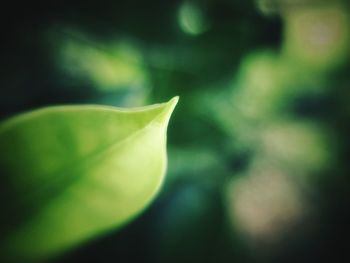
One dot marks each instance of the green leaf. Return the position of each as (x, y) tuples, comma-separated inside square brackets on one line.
[(71, 173)]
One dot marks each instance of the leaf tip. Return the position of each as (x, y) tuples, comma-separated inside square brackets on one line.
[(167, 110), (169, 107), (173, 102)]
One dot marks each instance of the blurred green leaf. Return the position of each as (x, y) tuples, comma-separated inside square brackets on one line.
[(70, 173)]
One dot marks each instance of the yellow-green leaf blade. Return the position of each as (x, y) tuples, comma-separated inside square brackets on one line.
[(78, 171)]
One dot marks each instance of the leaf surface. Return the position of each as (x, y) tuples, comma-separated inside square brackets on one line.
[(71, 173)]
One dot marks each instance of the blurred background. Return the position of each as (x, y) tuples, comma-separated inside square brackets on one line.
[(258, 145)]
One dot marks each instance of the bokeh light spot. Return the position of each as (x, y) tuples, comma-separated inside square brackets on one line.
[(191, 19)]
